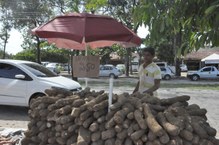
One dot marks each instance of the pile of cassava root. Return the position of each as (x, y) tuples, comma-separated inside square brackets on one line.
[(63, 118)]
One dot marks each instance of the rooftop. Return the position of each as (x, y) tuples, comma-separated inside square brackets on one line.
[(201, 53)]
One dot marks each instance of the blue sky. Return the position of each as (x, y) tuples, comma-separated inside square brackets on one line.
[(15, 40)]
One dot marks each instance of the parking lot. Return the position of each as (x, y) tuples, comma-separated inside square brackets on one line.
[(16, 117)]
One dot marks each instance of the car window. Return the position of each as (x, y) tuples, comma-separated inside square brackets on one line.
[(212, 69), (160, 64), (206, 69), (39, 70), (134, 63), (9, 71), (107, 68), (163, 69)]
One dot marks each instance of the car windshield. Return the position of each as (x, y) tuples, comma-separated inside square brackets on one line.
[(39, 70)]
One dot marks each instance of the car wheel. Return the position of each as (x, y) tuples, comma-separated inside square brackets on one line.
[(112, 76), (195, 77), (167, 77), (33, 98)]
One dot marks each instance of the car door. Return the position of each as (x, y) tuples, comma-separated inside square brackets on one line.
[(213, 73), (12, 90), (205, 72), (106, 71), (101, 71), (163, 71)]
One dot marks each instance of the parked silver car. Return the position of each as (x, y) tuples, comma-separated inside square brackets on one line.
[(121, 67), (183, 67), (54, 67), (166, 73), (207, 72), (109, 71)]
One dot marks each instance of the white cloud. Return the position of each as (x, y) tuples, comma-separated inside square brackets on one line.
[(14, 42)]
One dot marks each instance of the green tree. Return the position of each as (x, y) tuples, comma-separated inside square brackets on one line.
[(4, 35), (181, 23), (105, 52), (49, 54), (26, 15), (2, 53), (205, 17), (122, 11), (165, 53), (6, 27), (65, 6), (29, 54), (53, 54)]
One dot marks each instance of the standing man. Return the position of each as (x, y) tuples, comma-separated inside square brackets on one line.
[(149, 74)]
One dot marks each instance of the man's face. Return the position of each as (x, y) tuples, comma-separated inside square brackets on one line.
[(147, 57)]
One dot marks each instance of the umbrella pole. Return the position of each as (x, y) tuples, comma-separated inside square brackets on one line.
[(110, 93)]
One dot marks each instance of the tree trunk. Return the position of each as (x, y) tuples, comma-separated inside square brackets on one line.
[(5, 43), (176, 45), (38, 50), (178, 71), (176, 59), (127, 58), (73, 53), (4, 50), (69, 62)]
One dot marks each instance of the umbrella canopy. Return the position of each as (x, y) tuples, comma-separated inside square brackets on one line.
[(78, 30)]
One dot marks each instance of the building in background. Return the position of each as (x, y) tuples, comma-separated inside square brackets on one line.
[(194, 61)]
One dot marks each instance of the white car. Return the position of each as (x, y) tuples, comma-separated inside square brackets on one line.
[(20, 81), (121, 67), (66, 67), (134, 66), (53, 67), (166, 73), (165, 65), (109, 71), (183, 67), (44, 63), (162, 64)]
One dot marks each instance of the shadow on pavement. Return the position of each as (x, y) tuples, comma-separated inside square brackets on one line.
[(13, 113)]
